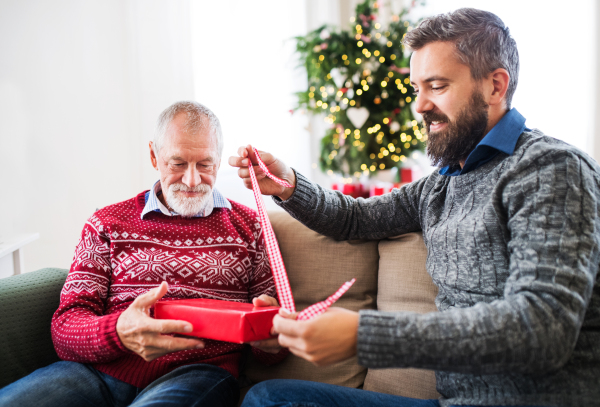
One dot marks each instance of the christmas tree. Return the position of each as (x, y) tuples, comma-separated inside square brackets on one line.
[(360, 80)]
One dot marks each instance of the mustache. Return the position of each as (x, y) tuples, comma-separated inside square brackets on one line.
[(429, 117), (182, 187)]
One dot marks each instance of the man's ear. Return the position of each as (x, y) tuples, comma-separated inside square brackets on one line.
[(499, 79), (153, 156)]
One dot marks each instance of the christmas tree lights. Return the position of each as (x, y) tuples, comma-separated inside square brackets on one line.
[(359, 79)]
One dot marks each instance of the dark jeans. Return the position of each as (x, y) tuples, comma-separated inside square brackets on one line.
[(298, 393), (66, 384)]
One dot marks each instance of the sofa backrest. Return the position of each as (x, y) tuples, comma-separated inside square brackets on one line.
[(317, 266), (390, 275), (404, 285)]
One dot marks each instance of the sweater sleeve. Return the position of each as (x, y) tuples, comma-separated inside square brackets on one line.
[(551, 208), (342, 217), (80, 330)]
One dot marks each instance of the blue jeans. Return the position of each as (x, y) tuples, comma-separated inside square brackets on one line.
[(70, 384), (299, 393)]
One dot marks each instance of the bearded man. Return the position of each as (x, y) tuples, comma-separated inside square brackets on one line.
[(510, 223), (181, 239)]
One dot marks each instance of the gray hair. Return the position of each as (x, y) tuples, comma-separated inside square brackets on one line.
[(482, 41), (197, 117)]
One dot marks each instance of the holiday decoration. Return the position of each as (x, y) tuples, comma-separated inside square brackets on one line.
[(360, 80)]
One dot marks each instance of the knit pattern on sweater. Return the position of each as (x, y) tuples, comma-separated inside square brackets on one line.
[(513, 247), (121, 256)]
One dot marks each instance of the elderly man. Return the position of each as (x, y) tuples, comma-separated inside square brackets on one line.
[(511, 227), (181, 239)]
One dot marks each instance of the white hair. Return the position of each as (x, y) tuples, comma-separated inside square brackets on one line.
[(197, 117)]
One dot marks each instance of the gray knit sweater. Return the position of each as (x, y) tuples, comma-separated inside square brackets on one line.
[(514, 248)]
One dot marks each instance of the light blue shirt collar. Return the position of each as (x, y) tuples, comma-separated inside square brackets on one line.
[(153, 204), (502, 138)]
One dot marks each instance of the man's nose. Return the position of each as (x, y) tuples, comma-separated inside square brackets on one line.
[(422, 104), (191, 177)]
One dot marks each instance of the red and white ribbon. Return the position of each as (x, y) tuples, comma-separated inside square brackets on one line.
[(284, 292)]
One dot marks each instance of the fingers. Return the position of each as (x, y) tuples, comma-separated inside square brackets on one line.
[(267, 345), (288, 326), (286, 314), (168, 326), (242, 159), (151, 297), (265, 301), (170, 344)]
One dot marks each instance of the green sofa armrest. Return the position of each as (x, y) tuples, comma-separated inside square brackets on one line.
[(27, 302)]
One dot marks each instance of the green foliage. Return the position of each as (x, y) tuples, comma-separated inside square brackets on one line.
[(372, 71)]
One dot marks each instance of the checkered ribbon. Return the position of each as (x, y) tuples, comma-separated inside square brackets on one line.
[(321, 307), (284, 292)]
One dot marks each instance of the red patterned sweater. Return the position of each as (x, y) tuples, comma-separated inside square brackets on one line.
[(121, 256)]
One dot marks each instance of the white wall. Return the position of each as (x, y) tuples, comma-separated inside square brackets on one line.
[(81, 85), (245, 71), (595, 108)]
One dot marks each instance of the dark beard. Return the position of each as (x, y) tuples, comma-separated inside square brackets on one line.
[(453, 145)]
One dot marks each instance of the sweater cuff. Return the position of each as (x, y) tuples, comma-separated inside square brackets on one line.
[(380, 342), (108, 336), (300, 198)]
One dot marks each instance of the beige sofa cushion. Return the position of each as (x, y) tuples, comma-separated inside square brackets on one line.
[(317, 266), (404, 285)]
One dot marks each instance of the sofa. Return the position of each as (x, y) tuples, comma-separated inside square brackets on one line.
[(390, 276)]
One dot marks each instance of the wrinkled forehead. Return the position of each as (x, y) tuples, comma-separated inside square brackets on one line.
[(196, 145)]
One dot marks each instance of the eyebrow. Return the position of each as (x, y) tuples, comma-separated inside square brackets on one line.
[(176, 157), (433, 78)]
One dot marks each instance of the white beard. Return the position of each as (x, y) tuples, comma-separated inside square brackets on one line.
[(188, 207)]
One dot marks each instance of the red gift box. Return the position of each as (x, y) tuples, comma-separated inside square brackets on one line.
[(226, 321)]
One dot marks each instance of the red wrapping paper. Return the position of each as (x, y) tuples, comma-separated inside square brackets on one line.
[(226, 321)]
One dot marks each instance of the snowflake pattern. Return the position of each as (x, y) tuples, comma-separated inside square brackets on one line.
[(147, 264), (92, 252), (222, 268)]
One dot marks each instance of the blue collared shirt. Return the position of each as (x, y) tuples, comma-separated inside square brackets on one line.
[(502, 138), (153, 204)]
